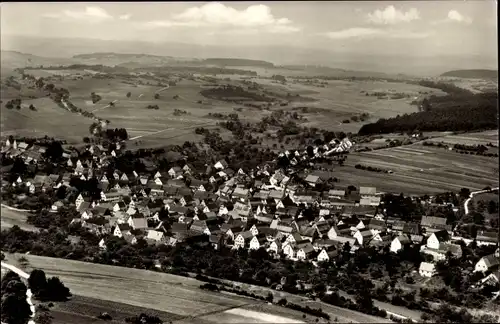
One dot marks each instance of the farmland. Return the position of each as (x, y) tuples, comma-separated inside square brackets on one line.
[(478, 138), (420, 170), (172, 297), (338, 101)]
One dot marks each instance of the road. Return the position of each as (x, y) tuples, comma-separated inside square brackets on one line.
[(170, 128), (23, 275), (472, 194)]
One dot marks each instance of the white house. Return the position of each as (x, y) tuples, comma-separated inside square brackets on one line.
[(327, 254), (221, 165), (427, 269), (257, 242), (275, 247), (399, 242), (305, 251), (242, 239), (487, 263), (437, 238), (363, 237), (157, 236)]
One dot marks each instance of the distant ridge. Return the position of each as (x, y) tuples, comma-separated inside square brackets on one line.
[(238, 62), (472, 74)]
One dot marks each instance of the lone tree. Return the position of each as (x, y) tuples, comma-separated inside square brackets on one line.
[(129, 94), (157, 96), (37, 282)]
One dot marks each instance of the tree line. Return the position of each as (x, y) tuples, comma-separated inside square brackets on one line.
[(449, 113)]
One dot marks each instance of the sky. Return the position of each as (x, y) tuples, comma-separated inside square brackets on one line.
[(424, 28)]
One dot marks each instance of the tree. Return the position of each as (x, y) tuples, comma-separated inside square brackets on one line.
[(144, 319), (464, 193), (492, 207), (157, 96), (310, 151), (129, 94), (37, 282), (56, 291), (15, 309), (32, 107)]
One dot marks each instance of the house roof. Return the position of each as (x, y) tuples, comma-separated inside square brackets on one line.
[(431, 221), (426, 266), (367, 190), (404, 239), (442, 235), (491, 261), (312, 178), (411, 228)]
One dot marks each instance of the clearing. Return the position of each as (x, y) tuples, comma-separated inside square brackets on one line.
[(10, 217)]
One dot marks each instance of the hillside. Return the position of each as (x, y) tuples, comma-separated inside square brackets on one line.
[(472, 74), (128, 60), (13, 60), (237, 62)]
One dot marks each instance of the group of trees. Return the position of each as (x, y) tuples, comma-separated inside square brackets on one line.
[(15, 308), (14, 103), (95, 97), (44, 289), (370, 168), (449, 113)]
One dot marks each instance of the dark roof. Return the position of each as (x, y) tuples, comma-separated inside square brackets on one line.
[(442, 235), (411, 228)]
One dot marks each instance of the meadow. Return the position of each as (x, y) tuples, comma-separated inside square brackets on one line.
[(11, 217)]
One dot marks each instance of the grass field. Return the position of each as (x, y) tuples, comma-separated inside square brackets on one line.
[(10, 218), (442, 170), (49, 119), (103, 288)]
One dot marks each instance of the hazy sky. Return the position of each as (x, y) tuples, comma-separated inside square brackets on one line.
[(406, 27)]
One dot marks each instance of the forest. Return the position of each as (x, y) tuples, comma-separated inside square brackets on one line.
[(454, 112)]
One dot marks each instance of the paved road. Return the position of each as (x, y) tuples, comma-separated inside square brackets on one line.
[(472, 194), (23, 275)]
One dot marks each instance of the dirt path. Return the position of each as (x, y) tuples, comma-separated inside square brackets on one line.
[(472, 194)]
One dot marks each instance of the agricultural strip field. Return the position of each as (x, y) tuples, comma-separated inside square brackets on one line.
[(10, 218), (478, 138), (162, 292), (442, 170), (83, 310)]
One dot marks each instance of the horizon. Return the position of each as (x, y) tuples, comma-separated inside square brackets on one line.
[(334, 34)]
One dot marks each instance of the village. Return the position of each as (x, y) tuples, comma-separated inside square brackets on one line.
[(240, 209)]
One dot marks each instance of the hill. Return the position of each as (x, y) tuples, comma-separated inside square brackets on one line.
[(472, 74), (14, 59), (237, 62), (128, 59)]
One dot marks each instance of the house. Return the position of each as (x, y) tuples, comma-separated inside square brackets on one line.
[(313, 180), (493, 279), (487, 263), (327, 254), (437, 238), (339, 230), (137, 221), (240, 193), (221, 165), (363, 236), (376, 226), (307, 233), (399, 243), (57, 205), (242, 239), (411, 229), (322, 229), (433, 224), (487, 238), (305, 251), (258, 241), (275, 247), (121, 229), (157, 236), (427, 269), (216, 241)]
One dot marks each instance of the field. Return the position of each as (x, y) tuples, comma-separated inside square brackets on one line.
[(11, 217), (419, 170), (174, 296), (49, 119), (338, 101), (479, 138)]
